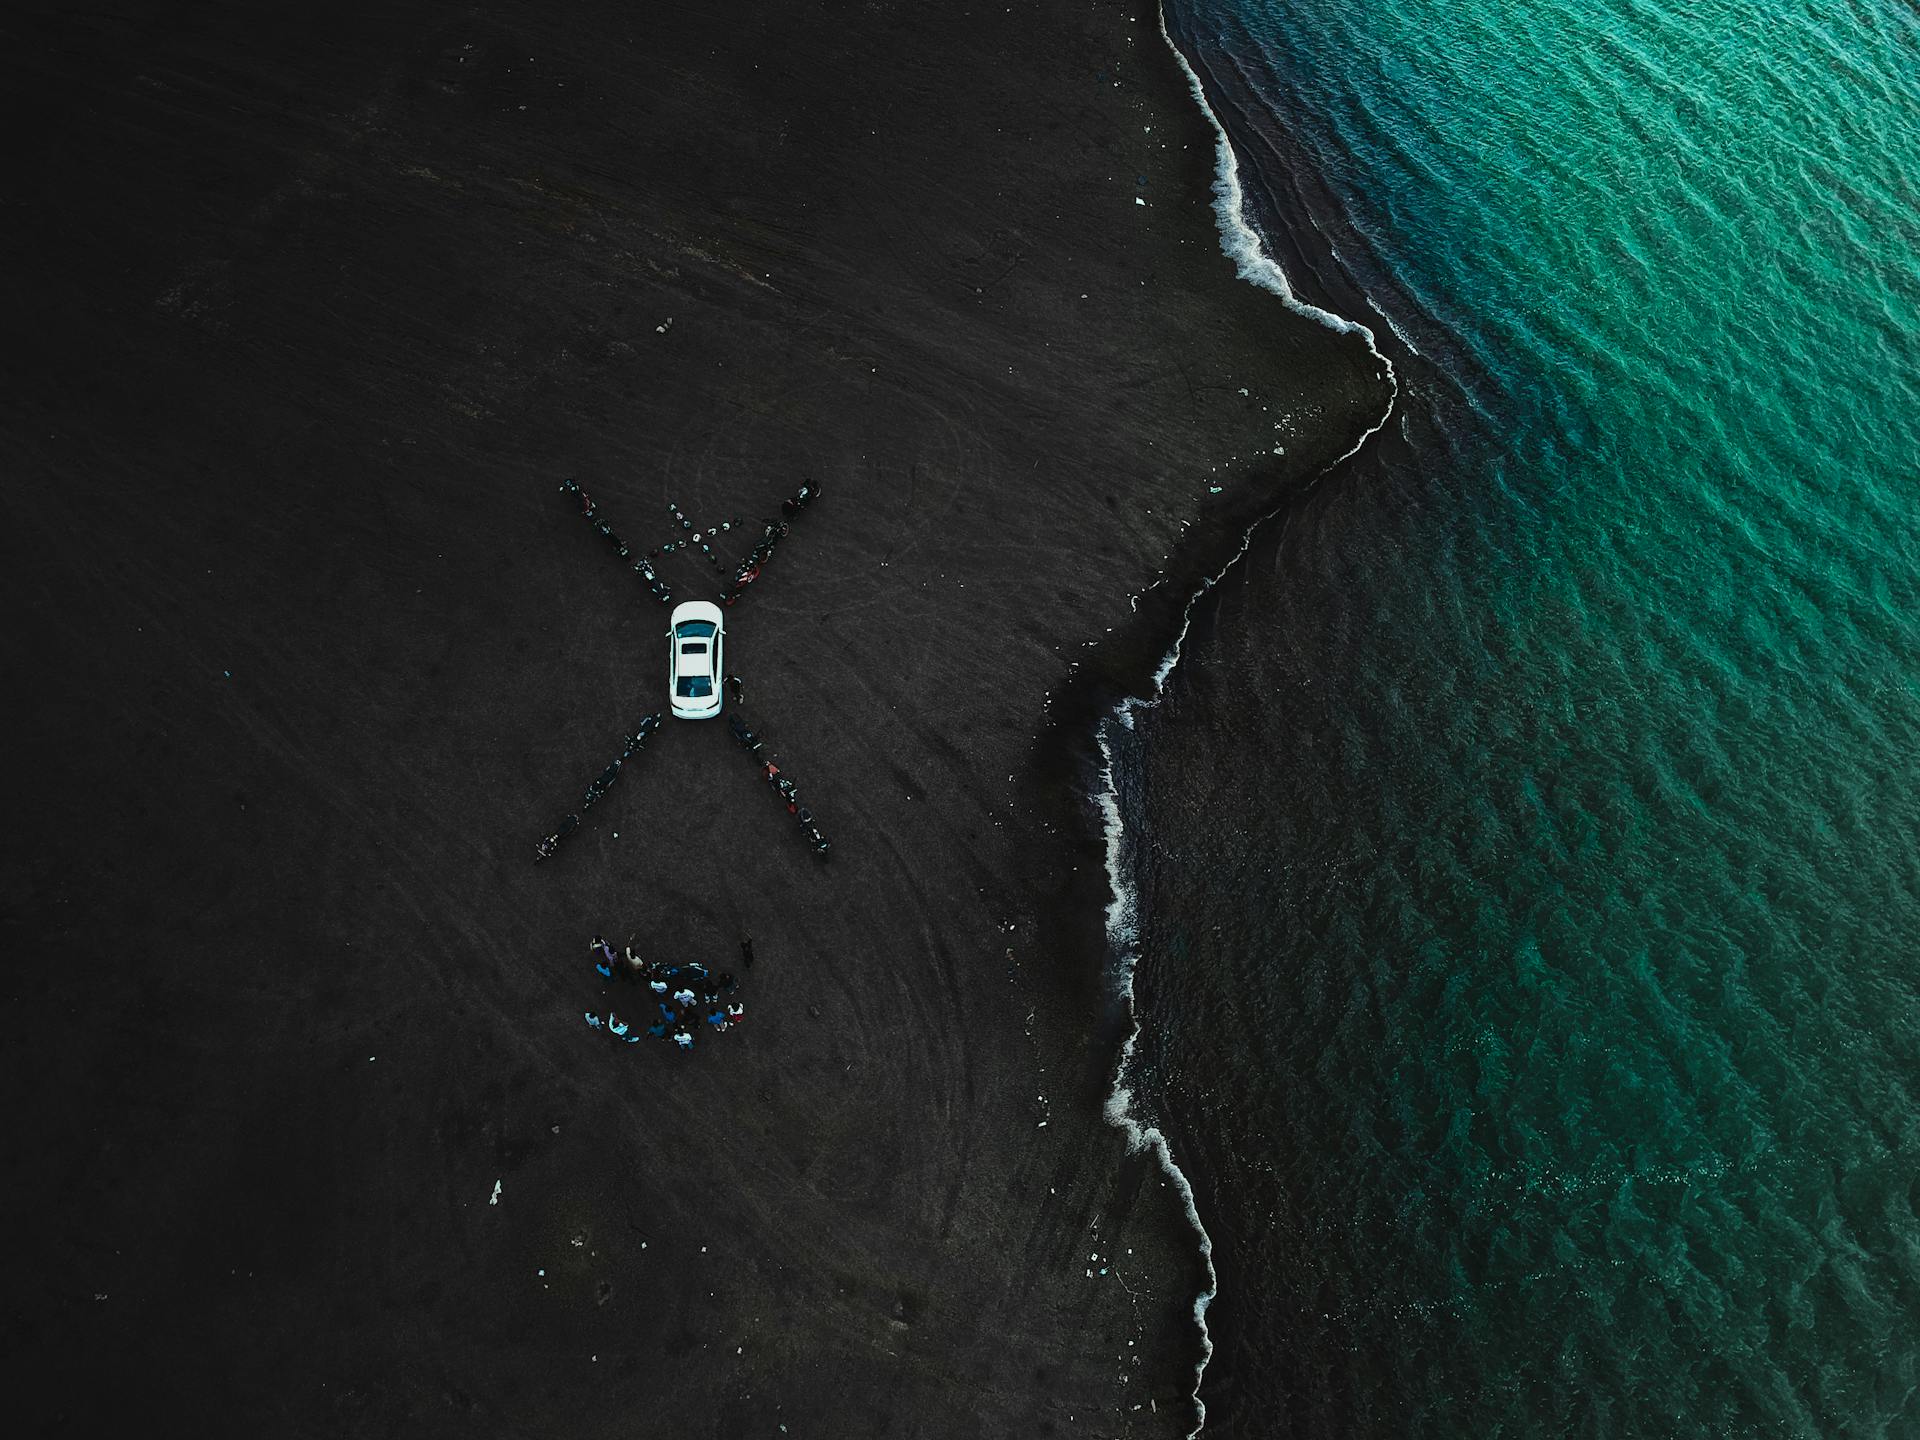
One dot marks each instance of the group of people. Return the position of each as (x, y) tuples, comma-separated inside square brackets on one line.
[(546, 848), (788, 792), (685, 997), (771, 535), (641, 567), (749, 569)]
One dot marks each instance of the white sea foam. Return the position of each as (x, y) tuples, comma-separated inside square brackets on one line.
[(1123, 939), (1123, 936), (1243, 246)]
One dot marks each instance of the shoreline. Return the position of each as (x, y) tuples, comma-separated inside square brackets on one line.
[(339, 1126), (1243, 244)]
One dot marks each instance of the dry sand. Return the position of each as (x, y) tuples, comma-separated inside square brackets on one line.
[(307, 319)]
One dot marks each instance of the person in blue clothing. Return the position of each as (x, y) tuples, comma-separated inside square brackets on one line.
[(618, 1029)]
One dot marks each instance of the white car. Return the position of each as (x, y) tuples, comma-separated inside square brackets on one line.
[(693, 660)]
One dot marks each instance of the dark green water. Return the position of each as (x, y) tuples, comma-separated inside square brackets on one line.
[(1528, 845)]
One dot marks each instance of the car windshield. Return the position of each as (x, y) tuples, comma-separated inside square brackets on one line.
[(691, 628), (694, 687)]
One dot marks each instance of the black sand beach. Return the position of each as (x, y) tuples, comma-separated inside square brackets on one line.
[(308, 316)]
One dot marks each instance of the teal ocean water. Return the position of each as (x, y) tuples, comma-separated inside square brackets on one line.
[(1528, 843)]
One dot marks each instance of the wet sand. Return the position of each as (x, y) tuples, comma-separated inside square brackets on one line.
[(308, 320)]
